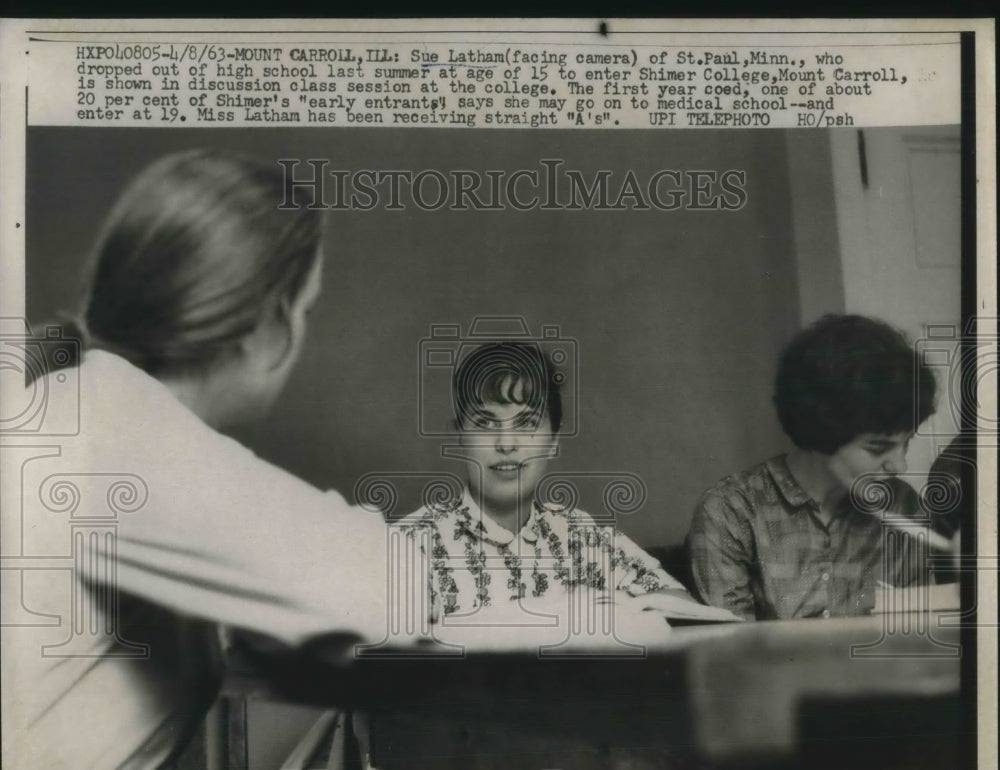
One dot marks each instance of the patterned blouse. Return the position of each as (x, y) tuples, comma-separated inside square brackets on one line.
[(476, 562)]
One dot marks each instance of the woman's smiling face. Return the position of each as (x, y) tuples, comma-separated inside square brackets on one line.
[(510, 444)]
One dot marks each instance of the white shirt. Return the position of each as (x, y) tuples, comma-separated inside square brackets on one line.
[(149, 498)]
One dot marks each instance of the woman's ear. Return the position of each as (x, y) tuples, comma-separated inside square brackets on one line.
[(286, 324), (272, 342)]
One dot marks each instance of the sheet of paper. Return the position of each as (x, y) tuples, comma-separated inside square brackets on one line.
[(933, 598)]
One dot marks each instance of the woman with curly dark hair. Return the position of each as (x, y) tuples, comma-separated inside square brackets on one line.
[(806, 534)]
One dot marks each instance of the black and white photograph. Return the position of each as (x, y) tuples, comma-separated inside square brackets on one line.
[(557, 404)]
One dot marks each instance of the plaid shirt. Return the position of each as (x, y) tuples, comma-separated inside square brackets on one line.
[(759, 549)]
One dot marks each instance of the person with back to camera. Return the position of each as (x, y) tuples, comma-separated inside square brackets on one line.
[(793, 536), (196, 314)]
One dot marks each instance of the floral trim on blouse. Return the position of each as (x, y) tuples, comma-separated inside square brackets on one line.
[(555, 547)]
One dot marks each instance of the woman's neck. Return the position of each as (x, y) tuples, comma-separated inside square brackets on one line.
[(510, 517), (203, 395), (811, 471)]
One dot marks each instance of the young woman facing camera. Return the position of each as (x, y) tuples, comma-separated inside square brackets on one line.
[(500, 542)]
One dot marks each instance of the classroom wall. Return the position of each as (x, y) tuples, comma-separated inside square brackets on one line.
[(818, 256), (678, 316), (900, 233)]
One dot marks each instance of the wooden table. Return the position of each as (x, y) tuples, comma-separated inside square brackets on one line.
[(868, 692)]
